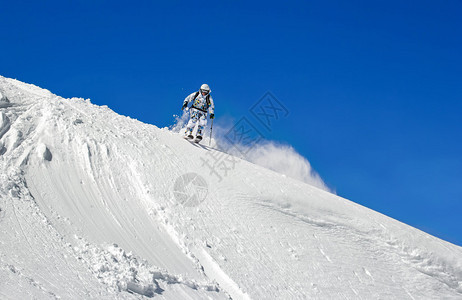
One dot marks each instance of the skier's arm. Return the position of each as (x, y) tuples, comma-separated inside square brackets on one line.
[(188, 99), (212, 106)]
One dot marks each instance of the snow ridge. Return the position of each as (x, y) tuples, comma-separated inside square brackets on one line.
[(88, 210)]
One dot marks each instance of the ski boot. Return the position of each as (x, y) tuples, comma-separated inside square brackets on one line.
[(188, 134), (198, 139), (198, 136)]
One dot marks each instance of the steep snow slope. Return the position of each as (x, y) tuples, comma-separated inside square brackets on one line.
[(97, 205)]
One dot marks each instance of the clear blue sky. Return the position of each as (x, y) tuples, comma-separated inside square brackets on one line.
[(374, 88)]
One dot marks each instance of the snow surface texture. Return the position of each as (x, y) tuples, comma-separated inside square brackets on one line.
[(94, 205)]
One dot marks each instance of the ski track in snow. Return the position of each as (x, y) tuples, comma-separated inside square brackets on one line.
[(87, 210)]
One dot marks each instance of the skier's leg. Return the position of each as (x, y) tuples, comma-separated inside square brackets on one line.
[(190, 127), (202, 124), (191, 123)]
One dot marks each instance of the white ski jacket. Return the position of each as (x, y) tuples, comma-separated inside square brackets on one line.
[(201, 102)]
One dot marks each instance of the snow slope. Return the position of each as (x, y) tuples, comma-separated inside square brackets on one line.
[(98, 205)]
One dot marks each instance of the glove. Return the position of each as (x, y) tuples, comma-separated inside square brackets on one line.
[(184, 106), (212, 116)]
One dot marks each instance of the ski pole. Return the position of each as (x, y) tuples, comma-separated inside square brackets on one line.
[(211, 128)]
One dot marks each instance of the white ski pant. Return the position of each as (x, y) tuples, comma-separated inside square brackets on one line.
[(196, 116)]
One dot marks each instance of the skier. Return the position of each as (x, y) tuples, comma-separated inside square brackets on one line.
[(202, 102)]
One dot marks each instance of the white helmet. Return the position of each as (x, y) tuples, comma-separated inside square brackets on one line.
[(205, 88)]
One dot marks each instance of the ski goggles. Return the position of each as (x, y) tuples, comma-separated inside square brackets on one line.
[(204, 92)]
